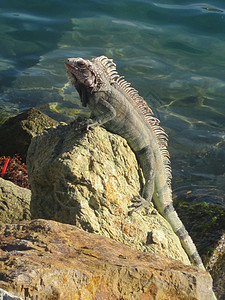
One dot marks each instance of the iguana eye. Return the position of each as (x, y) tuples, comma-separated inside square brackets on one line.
[(81, 63)]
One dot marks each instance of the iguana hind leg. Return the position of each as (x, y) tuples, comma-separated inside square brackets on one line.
[(147, 162)]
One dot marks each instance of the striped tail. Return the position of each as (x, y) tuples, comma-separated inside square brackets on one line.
[(171, 216)]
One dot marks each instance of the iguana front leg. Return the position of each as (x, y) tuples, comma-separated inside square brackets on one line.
[(102, 111)]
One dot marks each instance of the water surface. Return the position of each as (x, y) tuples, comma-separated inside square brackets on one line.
[(173, 53)]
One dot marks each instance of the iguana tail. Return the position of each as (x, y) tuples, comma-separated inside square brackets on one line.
[(171, 216)]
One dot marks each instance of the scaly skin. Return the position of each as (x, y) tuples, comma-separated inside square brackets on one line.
[(119, 107)]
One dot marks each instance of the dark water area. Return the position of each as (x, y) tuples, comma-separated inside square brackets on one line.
[(172, 52)]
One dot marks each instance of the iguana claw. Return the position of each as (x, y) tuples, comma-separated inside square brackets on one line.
[(83, 123)]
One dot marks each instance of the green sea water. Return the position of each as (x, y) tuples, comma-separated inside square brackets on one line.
[(172, 52)]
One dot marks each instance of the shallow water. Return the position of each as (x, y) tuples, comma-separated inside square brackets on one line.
[(173, 53)]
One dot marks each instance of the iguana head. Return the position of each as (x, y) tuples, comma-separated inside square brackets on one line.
[(80, 71), (89, 76), (93, 74)]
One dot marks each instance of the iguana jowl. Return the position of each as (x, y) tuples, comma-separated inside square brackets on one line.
[(114, 103)]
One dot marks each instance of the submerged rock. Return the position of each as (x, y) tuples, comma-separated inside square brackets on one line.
[(14, 202), (88, 178), (205, 222), (43, 259)]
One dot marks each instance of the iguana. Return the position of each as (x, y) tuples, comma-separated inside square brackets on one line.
[(114, 103)]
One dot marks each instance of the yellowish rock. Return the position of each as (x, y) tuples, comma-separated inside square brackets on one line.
[(46, 260), (88, 178)]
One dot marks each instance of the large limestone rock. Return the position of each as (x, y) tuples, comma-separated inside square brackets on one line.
[(216, 266), (14, 202), (88, 178), (48, 260)]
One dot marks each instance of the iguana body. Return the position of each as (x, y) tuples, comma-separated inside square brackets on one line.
[(119, 107)]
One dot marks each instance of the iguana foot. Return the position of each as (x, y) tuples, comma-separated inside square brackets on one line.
[(138, 203), (84, 124)]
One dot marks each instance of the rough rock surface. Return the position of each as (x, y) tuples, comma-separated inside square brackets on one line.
[(88, 178), (217, 268), (48, 260), (4, 295), (14, 202), (21, 129)]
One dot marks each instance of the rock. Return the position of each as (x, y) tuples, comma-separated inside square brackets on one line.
[(216, 266), (14, 202), (21, 129), (7, 296), (3, 116), (88, 178), (43, 259)]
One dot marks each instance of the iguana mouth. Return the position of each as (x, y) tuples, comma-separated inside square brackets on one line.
[(79, 70), (68, 65), (72, 69)]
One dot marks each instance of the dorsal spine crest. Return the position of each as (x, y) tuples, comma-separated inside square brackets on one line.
[(160, 134)]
